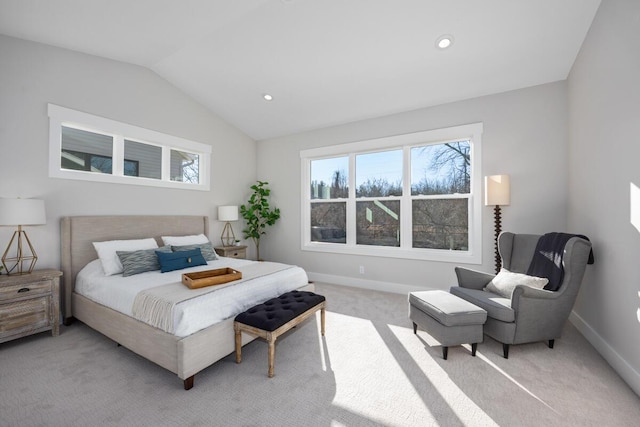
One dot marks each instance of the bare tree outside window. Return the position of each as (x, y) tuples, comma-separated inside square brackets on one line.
[(185, 167), (440, 188)]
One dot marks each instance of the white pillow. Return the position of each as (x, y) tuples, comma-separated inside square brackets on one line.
[(107, 252), (505, 282), (185, 240)]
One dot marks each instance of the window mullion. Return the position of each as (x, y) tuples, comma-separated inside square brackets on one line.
[(117, 162), (166, 164), (406, 219), (351, 202)]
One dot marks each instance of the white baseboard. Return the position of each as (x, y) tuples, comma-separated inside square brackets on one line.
[(626, 371), (396, 288)]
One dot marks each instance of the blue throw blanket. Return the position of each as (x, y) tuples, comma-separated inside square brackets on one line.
[(547, 259)]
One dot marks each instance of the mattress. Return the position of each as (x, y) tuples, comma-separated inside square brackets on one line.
[(118, 292)]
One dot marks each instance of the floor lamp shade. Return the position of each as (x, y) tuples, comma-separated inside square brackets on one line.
[(227, 214), (497, 192), (19, 212)]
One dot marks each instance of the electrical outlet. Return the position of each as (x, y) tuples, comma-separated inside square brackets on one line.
[(362, 269)]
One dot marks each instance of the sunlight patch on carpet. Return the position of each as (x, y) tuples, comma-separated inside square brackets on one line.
[(357, 354), (465, 409)]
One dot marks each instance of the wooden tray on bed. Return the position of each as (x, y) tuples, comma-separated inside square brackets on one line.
[(218, 276)]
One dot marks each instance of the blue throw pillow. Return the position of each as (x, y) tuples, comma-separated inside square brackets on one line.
[(179, 260)]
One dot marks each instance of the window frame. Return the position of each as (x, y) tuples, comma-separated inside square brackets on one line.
[(61, 116), (471, 132)]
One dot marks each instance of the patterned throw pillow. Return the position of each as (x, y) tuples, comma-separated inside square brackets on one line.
[(206, 248), (136, 262)]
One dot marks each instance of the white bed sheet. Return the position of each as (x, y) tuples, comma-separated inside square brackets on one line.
[(118, 292)]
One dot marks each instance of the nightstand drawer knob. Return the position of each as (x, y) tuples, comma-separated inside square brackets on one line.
[(23, 290)]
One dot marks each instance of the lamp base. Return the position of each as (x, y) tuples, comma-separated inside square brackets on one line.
[(498, 230), (23, 256), (228, 237)]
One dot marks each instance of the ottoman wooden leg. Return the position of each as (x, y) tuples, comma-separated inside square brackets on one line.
[(445, 351), (322, 316), (474, 347), (272, 354), (238, 345)]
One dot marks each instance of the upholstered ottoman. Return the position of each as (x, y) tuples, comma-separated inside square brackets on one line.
[(276, 316), (447, 318)]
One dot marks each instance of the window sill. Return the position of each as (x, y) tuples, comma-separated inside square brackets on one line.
[(461, 257)]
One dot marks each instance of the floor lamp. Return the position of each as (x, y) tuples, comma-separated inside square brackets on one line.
[(497, 192), (19, 212)]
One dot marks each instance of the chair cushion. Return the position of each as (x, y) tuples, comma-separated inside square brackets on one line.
[(497, 307), (447, 309)]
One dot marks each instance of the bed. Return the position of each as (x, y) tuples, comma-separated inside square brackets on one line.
[(185, 356)]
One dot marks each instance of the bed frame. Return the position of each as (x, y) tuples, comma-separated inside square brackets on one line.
[(184, 356)]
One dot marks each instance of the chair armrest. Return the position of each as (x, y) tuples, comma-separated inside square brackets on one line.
[(522, 291), (539, 313), (523, 294), (472, 279)]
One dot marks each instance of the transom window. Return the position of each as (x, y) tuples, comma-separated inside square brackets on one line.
[(409, 196), (87, 147)]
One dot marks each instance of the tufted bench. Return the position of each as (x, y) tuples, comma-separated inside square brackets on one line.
[(276, 316), (447, 318)]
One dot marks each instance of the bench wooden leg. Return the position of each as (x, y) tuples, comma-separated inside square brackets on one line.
[(322, 316), (272, 353), (238, 345)]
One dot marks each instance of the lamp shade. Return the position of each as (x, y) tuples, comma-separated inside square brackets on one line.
[(497, 190), (22, 212), (227, 213)]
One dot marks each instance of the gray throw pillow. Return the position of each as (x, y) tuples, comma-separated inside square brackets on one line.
[(136, 262), (206, 248)]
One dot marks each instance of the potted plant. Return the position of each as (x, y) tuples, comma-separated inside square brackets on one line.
[(258, 214)]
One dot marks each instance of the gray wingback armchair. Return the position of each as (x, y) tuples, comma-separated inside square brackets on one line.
[(530, 315)]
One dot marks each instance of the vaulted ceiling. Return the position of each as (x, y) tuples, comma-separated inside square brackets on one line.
[(325, 62)]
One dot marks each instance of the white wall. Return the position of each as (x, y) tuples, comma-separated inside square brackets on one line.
[(525, 136), (604, 127), (33, 75)]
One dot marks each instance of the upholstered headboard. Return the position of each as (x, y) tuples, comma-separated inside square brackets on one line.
[(79, 232)]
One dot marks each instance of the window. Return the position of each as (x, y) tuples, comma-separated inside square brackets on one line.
[(410, 196), (87, 147)]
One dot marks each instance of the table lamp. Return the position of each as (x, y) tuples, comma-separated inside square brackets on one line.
[(227, 214), (19, 212)]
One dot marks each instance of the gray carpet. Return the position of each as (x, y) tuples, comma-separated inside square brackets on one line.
[(369, 370)]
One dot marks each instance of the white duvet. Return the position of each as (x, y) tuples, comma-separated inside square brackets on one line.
[(118, 292)]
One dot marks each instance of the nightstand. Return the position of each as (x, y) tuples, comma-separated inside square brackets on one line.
[(232, 251), (29, 304)]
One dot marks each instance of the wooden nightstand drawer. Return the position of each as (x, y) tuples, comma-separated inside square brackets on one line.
[(232, 251), (27, 315), (26, 290), (239, 253)]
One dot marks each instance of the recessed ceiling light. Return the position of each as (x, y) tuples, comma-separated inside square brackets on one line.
[(267, 97), (445, 41)]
